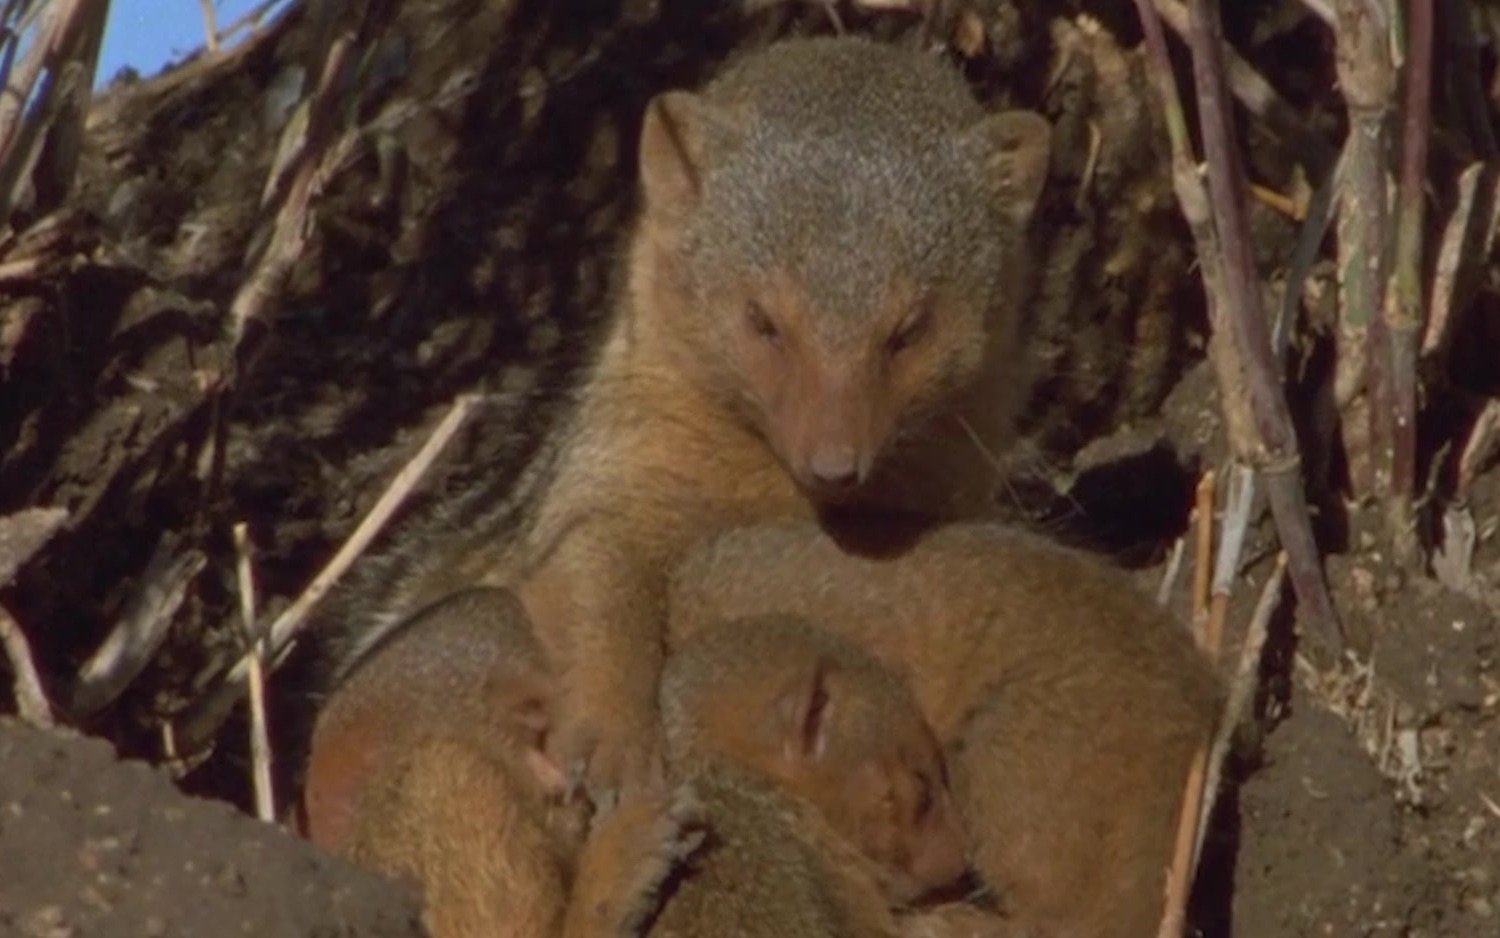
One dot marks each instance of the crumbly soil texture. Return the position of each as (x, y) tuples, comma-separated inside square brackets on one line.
[(462, 239)]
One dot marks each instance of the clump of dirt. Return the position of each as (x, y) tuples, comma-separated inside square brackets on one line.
[(91, 845)]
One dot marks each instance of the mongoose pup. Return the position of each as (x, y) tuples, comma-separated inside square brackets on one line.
[(820, 306), (428, 762), (823, 786), (1069, 704), (828, 724)]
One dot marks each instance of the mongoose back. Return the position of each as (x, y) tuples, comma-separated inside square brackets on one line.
[(820, 306), (1070, 705)]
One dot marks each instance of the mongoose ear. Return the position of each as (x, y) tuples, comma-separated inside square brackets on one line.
[(802, 710), (679, 131), (1017, 147)]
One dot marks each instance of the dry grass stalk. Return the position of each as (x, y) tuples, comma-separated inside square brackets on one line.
[(1368, 82), (281, 632), (1403, 312), (67, 48), (1180, 875), (290, 226), (142, 628), (31, 698), (199, 726), (210, 25), (1241, 694), (260, 738), (1265, 441), (21, 535), (1260, 98), (1203, 545), (1169, 576)]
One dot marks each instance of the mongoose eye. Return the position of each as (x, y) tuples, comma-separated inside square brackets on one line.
[(761, 325), (909, 331)]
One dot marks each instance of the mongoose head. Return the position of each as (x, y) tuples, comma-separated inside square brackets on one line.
[(836, 229), (828, 723)]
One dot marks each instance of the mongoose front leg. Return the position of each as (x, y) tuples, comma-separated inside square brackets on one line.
[(627, 861), (598, 605)]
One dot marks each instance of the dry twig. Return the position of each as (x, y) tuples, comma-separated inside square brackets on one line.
[(140, 632), (31, 697), (210, 25), (1203, 546), (67, 50), (1265, 440), (206, 716), (1180, 875), (21, 535), (1368, 82), (1259, 98), (1403, 307), (1239, 498), (1241, 694), (260, 739), (1169, 576), (1273, 451), (279, 635)]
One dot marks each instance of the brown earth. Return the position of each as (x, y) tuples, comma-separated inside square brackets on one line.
[(90, 845), (465, 243)]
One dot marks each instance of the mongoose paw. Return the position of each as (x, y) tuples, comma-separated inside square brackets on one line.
[(631, 855), (611, 759), (959, 920)]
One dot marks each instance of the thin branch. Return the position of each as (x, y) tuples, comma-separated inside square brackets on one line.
[(31, 697), (252, 18), (1234, 363), (1459, 257), (1274, 454), (23, 80), (260, 739), (1260, 99), (1239, 498), (289, 228), (1182, 871), (1403, 309), (23, 534), (209, 711), (1241, 693), (1483, 441), (140, 632), (73, 31), (1369, 85), (1180, 875), (210, 25), (1203, 546), (1169, 576), (278, 637)]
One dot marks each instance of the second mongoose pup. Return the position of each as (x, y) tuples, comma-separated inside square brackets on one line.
[(827, 723), (1070, 704), (824, 789), (821, 306)]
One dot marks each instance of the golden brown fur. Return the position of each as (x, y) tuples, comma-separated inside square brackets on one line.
[(1069, 704), (814, 764), (820, 307)]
